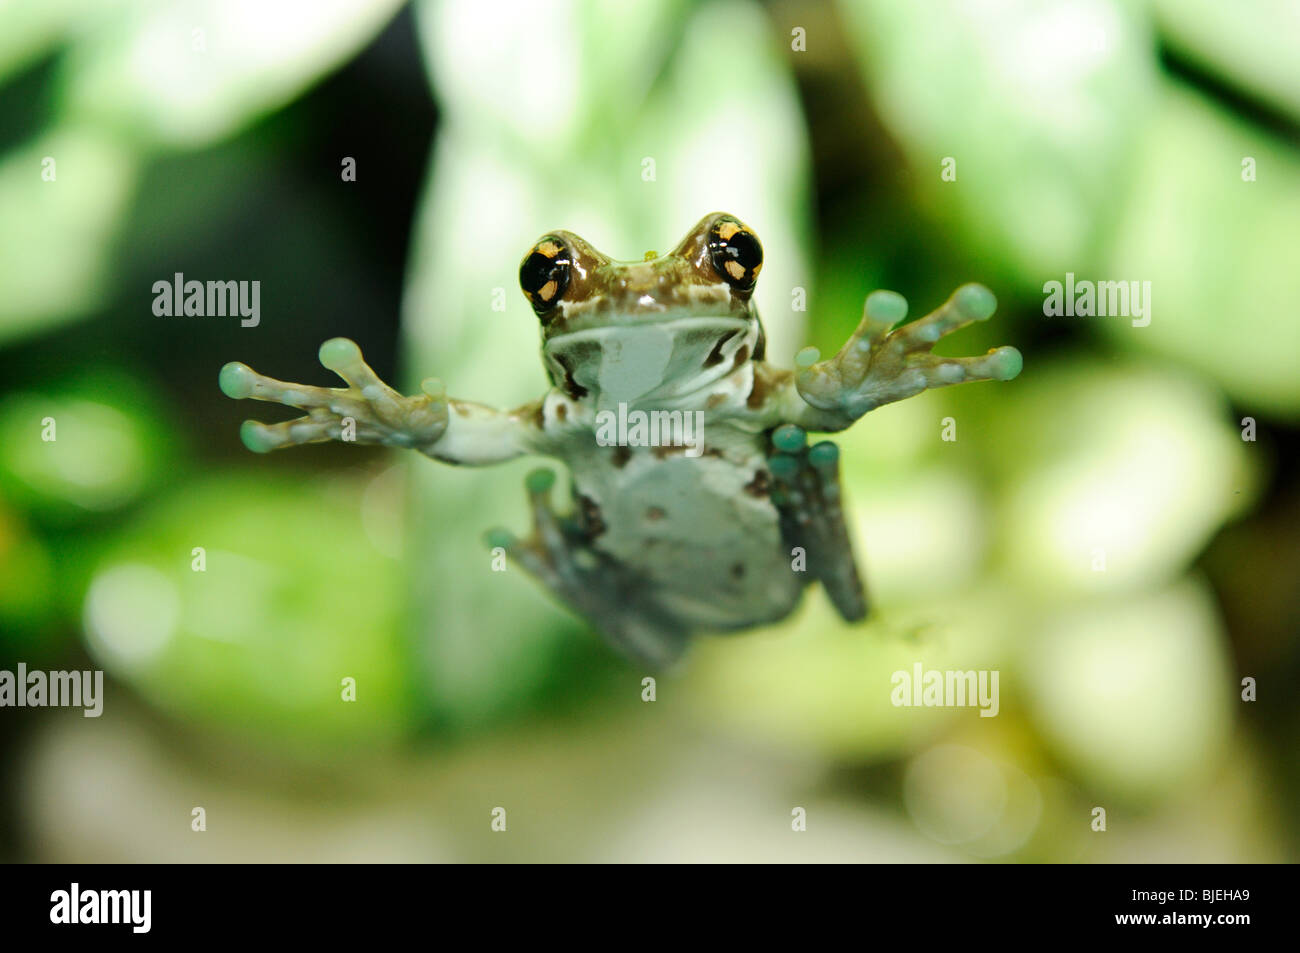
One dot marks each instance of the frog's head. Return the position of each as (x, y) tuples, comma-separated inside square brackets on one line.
[(646, 331)]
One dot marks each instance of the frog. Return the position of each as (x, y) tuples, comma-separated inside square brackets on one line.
[(664, 540)]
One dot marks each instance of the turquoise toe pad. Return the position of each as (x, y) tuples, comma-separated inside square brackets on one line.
[(1007, 363), (976, 302), (789, 438), (539, 480), (886, 306), (256, 437), (339, 352), (236, 380)]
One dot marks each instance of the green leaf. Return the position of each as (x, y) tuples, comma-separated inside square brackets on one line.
[(54, 257), (1134, 694), (1251, 46), (1038, 102), (1115, 478), (77, 448), (292, 598), (1219, 252), (185, 73)]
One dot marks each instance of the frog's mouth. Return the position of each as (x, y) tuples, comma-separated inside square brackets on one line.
[(649, 362)]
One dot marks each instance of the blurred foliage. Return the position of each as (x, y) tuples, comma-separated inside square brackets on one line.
[(136, 76), (107, 446), (274, 622), (1096, 137)]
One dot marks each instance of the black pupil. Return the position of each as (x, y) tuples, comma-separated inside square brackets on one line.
[(538, 270), (742, 248)]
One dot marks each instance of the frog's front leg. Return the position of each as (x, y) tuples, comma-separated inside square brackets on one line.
[(368, 411), (878, 366)]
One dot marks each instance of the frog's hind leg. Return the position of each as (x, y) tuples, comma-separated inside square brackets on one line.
[(806, 491), (613, 600)]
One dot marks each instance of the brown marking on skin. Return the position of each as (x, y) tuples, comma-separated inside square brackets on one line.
[(621, 456), (571, 387), (654, 514), (561, 412), (760, 486), (766, 379), (715, 355), (591, 518), (758, 389), (664, 452), (547, 317), (715, 400), (741, 356), (539, 415), (677, 283), (532, 412), (599, 286)]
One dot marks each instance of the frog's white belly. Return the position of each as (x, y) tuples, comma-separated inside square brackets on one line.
[(701, 530)]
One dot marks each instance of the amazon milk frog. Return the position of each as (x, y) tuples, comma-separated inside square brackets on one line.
[(665, 538)]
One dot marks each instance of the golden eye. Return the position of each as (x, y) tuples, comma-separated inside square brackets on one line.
[(544, 273), (736, 253)]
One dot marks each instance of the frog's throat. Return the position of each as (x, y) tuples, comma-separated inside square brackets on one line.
[(652, 363)]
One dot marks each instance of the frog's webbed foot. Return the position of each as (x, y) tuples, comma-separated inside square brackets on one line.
[(366, 411), (877, 366), (806, 493), (613, 600)]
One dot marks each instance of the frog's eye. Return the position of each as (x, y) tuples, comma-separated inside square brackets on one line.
[(544, 273), (736, 254)]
